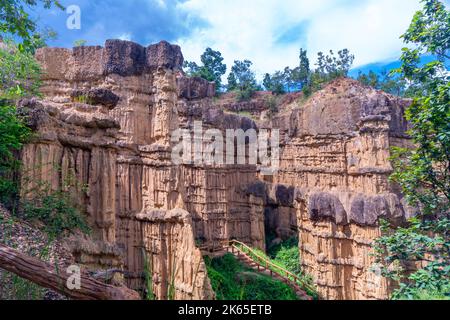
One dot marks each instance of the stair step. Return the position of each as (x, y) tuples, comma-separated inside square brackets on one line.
[(242, 257)]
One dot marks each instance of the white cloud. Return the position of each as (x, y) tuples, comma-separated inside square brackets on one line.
[(124, 36), (161, 3), (250, 29)]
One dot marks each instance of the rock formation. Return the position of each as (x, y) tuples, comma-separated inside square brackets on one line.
[(336, 155), (107, 119)]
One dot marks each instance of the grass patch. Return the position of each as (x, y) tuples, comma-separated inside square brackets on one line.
[(231, 280), (286, 255)]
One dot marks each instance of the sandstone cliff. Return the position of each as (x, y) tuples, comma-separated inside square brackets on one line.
[(107, 119), (336, 155)]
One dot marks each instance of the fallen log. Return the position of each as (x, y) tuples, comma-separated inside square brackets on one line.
[(46, 275)]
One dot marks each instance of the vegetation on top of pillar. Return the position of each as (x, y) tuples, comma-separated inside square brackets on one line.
[(423, 172), (212, 68), (242, 80), (385, 81), (303, 78)]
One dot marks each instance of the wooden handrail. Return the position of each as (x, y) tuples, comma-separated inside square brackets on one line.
[(287, 274)]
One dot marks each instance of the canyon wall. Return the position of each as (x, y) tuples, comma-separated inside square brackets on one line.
[(106, 121), (336, 155)]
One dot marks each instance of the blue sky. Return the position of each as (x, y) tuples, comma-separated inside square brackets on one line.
[(268, 32)]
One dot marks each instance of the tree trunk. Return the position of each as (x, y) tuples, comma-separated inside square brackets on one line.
[(45, 275)]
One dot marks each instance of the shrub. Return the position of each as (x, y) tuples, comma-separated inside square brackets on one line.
[(13, 134), (245, 94), (53, 209), (272, 103)]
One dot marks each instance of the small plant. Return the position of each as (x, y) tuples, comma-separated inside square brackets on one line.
[(172, 290), (148, 277), (79, 43), (82, 99), (272, 103), (245, 94), (56, 213), (54, 210)]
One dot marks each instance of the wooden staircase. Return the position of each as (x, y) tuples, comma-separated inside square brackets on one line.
[(263, 265)]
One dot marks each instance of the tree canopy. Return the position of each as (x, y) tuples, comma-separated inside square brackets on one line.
[(15, 21), (385, 81), (212, 68), (423, 171), (242, 79)]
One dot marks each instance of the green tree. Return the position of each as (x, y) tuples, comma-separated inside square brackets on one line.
[(275, 83), (334, 67), (19, 73), (19, 77), (423, 172), (267, 82), (16, 22), (288, 78), (329, 67), (371, 79), (301, 75), (232, 82), (242, 79), (393, 84), (385, 81), (212, 68)]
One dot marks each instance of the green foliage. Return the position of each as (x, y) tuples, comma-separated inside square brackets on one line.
[(289, 79), (233, 281), (272, 103), (302, 73), (19, 73), (329, 67), (287, 253), (13, 133), (148, 277), (423, 171), (275, 83), (242, 80), (212, 68), (79, 43), (19, 77), (16, 22), (371, 79), (384, 81), (171, 285), (53, 210), (335, 67)]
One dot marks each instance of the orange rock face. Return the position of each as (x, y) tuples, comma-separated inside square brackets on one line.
[(107, 120)]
